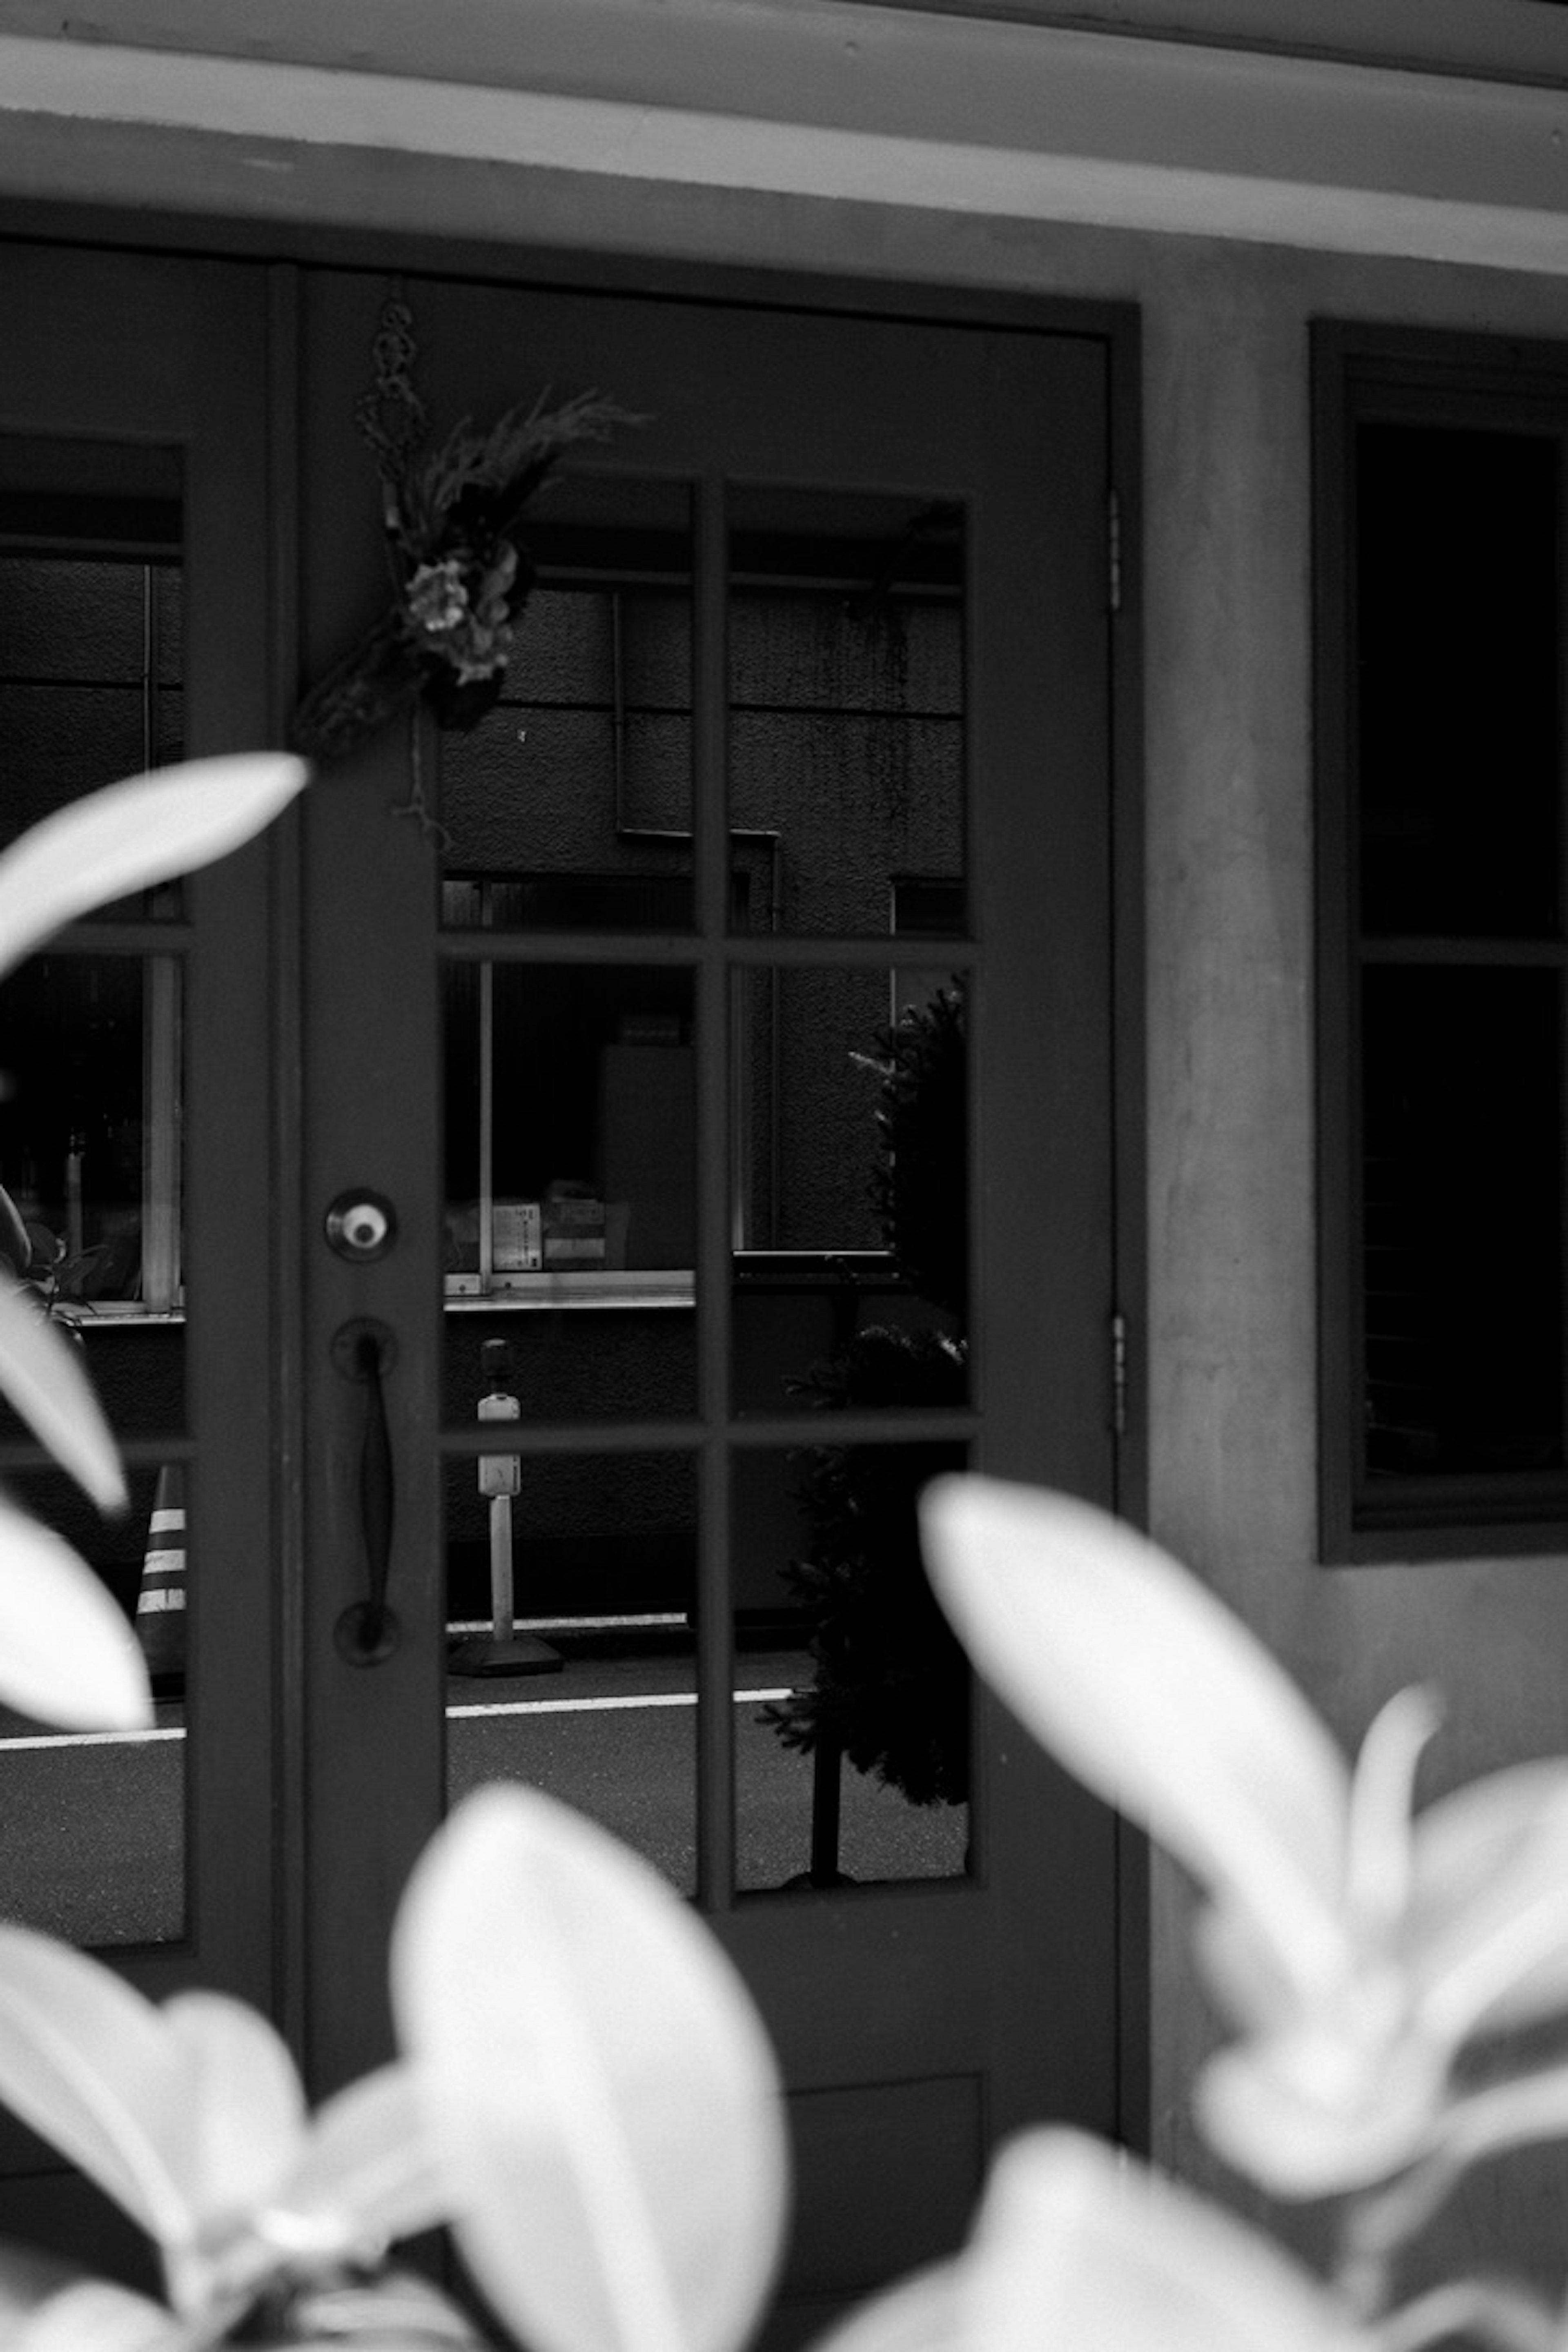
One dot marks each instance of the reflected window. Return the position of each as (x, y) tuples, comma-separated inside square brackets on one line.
[(846, 702), (570, 1122), (582, 770), (90, 1129), (92, 649)]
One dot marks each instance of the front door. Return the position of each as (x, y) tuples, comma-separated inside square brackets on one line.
[(685, 1126)]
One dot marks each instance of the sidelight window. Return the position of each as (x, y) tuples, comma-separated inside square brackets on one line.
[(1444, 945)]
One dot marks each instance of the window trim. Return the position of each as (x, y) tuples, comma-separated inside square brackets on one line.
[(1364, 373)]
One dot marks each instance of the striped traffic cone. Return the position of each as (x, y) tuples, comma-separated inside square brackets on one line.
[(161, 1603)]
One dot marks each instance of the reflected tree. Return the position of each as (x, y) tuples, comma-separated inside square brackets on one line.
[(890, 1689)]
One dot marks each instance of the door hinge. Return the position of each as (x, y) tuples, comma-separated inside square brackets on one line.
[(1118, 1375), (1113, 549)]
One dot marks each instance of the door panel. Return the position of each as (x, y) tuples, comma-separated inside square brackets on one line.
[(800, 782), (133, 449), (818, 660)]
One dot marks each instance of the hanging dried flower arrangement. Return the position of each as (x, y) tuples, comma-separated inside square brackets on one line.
[(461, 571)]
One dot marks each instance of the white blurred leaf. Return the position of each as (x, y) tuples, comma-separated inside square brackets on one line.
[(67, 1654), (86, 2063), (94, 2315), (1508, 2114), (1323, 2108), (368, 2173), (43, 1377), (1489, 1914), (134, 833), (923, 2314), (1076, 2247), (606, 2106), (244, 2108), (1380, 1860), (1157, 1697), (395, 2312)]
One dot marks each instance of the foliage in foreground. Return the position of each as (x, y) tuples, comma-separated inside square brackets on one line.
[(582, 2089)]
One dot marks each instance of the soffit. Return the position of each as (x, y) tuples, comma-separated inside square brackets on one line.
[(191, 107)]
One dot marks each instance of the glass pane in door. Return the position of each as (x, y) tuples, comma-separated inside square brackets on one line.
[(846, 705), (852, 1766), (570, 796), (850, 1187), (92, 1166), (571, 1584), (571, 1183), (93, 1824)]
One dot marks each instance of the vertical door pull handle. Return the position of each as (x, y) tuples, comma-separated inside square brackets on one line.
[(367, 1631)]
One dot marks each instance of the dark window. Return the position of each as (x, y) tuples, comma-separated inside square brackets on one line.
[(1443, 949)]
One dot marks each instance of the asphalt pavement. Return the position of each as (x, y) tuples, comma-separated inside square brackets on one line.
[(91, 1844)]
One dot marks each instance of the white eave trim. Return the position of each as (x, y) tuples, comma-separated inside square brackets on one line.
[(815, 97)]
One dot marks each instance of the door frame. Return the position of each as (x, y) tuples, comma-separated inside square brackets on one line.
[(1115, 328)]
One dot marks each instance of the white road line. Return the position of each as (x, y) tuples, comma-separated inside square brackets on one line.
[(605, 1706), (92, 1738), (502, 1706)]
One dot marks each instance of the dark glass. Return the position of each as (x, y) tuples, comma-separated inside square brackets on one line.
[(847, 711), (850, 1188), (92, 634), (570, 1137), (1462, 1220), (575, 789), (1459, 632), (91, 1168), (93, 1826), (852, 1752), (581, 1682)]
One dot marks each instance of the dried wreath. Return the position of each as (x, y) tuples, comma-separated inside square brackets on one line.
[(461, 574)]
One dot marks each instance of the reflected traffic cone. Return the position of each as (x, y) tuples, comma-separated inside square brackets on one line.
[(161, 1603)]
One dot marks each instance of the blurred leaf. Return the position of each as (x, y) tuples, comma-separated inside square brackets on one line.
[(395, 2312), (368, 2169), (86, 2063), (1157, 1697), (43, 1376), (134, 833), (924, 2313), (1338, 2102), (243, 2110), (1490, 1910), (91, 2316), (1080, 2247), (606, 2102), (67, 1654)]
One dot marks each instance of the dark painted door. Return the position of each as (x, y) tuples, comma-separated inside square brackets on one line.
[(735, 1046), (725, 1019)]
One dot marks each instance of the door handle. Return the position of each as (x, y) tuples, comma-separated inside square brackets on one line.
[(367, 1631)]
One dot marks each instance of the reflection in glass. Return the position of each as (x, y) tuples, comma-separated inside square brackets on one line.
[(570, 1131), (92, 1829), (851, 1186), (857, 1769), (846, 705), (577, 784), (600, 1707), (91, 1185), (91, 624), (1462, 1219)]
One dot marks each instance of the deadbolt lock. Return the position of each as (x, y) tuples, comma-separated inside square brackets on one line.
[(362, 1226)]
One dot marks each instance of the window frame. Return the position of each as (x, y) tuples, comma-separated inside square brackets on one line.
[(1391, 375)]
